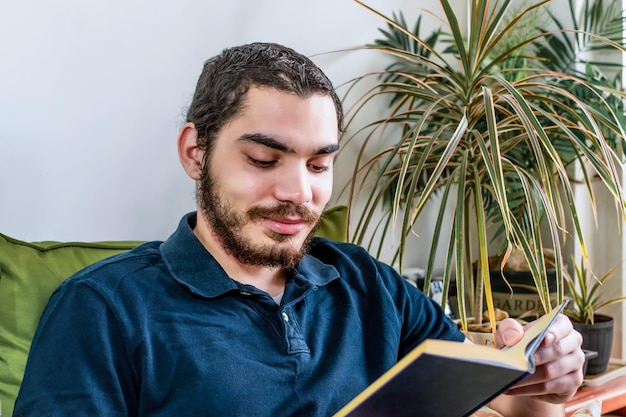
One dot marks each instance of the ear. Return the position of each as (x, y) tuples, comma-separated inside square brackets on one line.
[(188, 152)]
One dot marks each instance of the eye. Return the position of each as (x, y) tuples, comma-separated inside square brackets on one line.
[(261, 163), (318, 169), (320, 164)]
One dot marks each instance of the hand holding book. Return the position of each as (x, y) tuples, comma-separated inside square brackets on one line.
[(444, 378), (558, 359)]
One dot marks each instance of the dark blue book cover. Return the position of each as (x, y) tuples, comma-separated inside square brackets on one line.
[(441, 378)]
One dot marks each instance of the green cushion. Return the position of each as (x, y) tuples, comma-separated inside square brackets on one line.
[(29, 273), (334, 224)]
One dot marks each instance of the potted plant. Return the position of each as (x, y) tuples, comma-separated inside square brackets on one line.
[(513, 286), (492, 133), (563, 51), (587, 297)]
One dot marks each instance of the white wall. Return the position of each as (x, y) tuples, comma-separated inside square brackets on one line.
[(92, 94)]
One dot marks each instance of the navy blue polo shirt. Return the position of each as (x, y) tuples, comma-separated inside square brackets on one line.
[(163, 331)]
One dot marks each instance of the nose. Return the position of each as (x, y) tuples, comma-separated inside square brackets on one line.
[(294, 186)]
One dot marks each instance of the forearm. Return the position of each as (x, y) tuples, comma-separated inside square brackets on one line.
[(520, 406)]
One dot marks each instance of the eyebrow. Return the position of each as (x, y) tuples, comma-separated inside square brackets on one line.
[(270, 142)]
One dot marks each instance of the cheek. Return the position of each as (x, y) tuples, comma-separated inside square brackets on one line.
[(323, 190), (244, 188)]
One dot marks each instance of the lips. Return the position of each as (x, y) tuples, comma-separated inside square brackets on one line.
[(286, 226), (284, 219)]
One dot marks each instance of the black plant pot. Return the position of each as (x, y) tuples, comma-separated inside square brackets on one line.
[(524, 297), (597, 337), (589, 354)]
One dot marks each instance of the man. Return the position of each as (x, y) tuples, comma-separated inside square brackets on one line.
[(240, 312)]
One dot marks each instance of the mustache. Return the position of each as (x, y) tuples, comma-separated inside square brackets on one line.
[(284, 210)]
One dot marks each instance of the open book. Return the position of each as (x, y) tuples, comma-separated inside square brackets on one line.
[(441, 378)]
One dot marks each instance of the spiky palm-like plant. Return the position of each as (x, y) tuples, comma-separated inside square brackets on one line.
[(585, 290), (493, 131)]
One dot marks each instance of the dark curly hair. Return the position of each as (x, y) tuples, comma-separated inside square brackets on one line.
[(227, 77)]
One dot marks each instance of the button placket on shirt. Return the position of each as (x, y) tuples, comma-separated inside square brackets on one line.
[(293, 334)]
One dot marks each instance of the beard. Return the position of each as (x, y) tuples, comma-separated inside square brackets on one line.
[(227, 225)]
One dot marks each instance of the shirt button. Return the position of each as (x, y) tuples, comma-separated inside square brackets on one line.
[(285, 316)]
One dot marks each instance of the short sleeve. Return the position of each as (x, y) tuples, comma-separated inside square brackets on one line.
[(422, 318), (91, 379)]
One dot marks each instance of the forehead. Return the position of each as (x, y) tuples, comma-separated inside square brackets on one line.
[(295, 121)]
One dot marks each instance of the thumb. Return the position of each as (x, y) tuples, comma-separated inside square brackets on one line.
[(509, 333)]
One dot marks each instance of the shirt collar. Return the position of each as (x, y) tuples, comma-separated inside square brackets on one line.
[(194, 267)]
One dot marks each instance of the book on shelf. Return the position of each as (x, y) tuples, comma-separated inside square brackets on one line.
[(442, 378), (615, 368)]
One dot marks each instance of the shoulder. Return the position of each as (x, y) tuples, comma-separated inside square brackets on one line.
[(380, 286), (122, 289), (342, 253), (117, 270), (373, 280), (143, 255), (353, 262)]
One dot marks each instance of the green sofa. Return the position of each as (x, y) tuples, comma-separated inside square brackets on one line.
[(30, 272)]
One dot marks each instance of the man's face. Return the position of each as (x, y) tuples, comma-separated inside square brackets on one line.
[(269, 176)]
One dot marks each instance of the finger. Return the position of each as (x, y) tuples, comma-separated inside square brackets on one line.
[(556, 390), (559, 329), (552, 382), (559, 362), (566, 365), (509, 333), (560, 348)]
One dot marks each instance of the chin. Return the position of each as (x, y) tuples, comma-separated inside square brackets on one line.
[(295, 241)]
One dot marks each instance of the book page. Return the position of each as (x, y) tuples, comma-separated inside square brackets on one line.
[(533, 336)]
